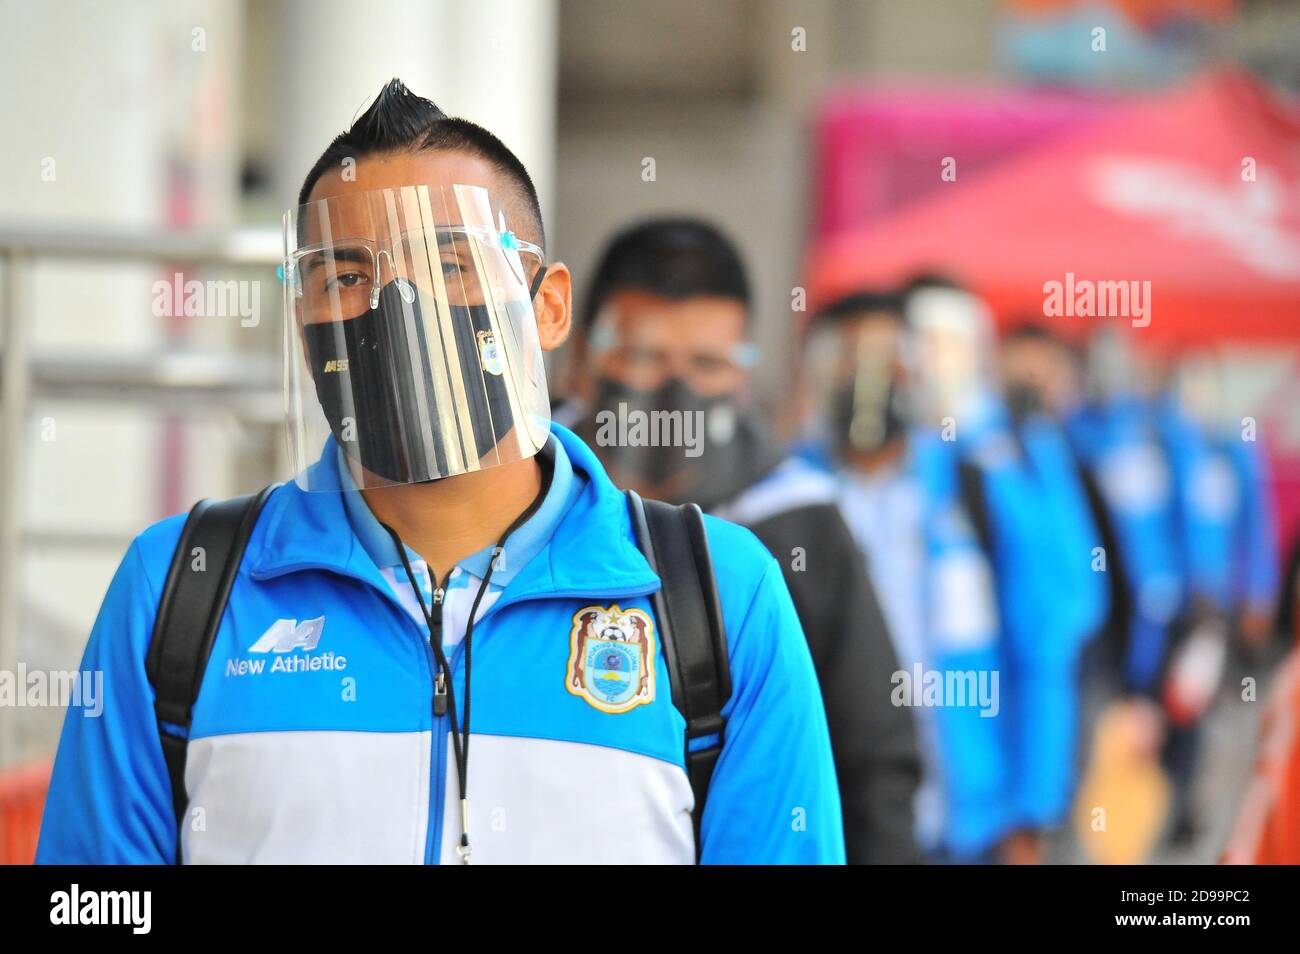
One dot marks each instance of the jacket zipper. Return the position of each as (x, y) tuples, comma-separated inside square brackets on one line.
[(433, 850)]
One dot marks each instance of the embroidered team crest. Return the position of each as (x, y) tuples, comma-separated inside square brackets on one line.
[(611, 658), (488, 352)]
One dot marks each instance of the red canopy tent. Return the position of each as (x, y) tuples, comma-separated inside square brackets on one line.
[(1196, 191)]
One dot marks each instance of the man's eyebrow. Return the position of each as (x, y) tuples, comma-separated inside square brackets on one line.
[(452, 239), (354, 254)]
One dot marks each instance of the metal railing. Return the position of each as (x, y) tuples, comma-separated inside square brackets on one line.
[(246, 385)]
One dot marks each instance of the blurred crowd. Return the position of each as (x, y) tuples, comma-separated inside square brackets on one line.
[(1023, 563)]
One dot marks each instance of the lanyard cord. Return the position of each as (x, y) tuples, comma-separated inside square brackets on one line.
[(459, 737)]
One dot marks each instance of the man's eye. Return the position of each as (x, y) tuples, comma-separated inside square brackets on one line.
[(346, 280), (452, 267)]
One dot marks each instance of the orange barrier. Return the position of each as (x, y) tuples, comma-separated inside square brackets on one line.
[(1268, 824), (22, 799)]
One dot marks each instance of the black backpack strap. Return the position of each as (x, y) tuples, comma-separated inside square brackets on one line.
[(970, 485), (689, 618), (193, 601)]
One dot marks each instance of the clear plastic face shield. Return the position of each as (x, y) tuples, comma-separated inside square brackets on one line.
[(410, 338), (855, 386), (949, 353)]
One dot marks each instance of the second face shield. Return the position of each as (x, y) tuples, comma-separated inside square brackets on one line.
[(410, 336), (950, 356)]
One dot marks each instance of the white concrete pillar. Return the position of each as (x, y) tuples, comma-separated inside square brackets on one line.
[(492, 62)]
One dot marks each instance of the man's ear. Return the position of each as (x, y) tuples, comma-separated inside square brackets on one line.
[(553, 307)]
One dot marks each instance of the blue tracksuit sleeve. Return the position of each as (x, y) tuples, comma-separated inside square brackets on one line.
[(1258, 578), (773, 798), (109, 800), (972, 738)]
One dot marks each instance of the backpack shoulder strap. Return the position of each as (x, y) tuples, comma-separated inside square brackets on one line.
[(689, 618), (970, 483), (193, 601)]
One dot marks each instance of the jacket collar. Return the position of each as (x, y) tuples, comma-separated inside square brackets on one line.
[(592, 551)]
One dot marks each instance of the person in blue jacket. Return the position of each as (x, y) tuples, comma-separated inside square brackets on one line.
[(442, 544), (1257, 578), (1228, 550), (1017, 480), (1116, 431), (1115, 436), (1227, 522), (903, 505), (664, 331), (929, 448)]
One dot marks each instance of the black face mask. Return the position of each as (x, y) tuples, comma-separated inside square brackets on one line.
[(865, 426), (1023, 401), (363, 371), (735, 448)]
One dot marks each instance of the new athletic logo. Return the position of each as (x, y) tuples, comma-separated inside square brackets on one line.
[(283, 638), (289, 634), (611, 658)]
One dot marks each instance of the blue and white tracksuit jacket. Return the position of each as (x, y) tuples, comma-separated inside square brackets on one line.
[(1228, 530), (1119, 441), (1256, 575), (937, 591), (1208, 503), (1051, 597), (314, 738), (1022, 612), (1013, 766)]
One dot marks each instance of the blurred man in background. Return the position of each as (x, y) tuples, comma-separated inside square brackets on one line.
[(996, 541), (1114, 436), (1185, 518), (1208, 505), (1227, 542), (1231, 525), (1122, 729), (666, 333), (1020, 483), (934, 581), (1117, 432)]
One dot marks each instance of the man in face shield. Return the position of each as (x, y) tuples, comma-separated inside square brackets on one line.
[(667, 321), (1229, 524), (996, 525), (1172, 497), (442, 543), (934, 581)]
